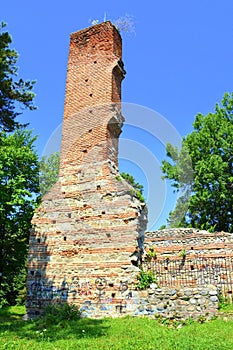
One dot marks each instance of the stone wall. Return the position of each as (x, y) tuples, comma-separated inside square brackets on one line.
[(174, 303), (178, 296), (182, 303), (191, 257), (170, 242)]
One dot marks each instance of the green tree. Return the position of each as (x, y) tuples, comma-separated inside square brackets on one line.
[(206, 199), (19, 184), (49, 168), (19, 187), (137, 188), (14, 92)]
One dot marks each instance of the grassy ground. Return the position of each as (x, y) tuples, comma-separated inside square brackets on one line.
[(123, 333)]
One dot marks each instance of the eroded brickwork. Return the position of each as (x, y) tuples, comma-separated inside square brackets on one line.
[(88, 231)]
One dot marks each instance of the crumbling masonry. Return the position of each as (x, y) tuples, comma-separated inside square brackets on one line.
[(88, 232)]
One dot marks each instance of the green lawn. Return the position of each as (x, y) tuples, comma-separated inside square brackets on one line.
[(122, 333)]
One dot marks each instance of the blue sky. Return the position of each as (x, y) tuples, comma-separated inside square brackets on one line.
[(178, 63)]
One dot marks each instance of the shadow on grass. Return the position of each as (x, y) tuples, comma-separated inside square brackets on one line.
[(11, 323), (11, 314)]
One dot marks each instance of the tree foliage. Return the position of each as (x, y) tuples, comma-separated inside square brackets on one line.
[(19, 187), (137, 188), (209, 190), (19, 184), (14, 93), (49, 169)]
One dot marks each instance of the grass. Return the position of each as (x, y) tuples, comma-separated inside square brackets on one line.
[(226, 306), (123, 333)]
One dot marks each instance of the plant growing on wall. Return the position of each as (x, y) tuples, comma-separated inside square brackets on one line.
[(182, 254), (167, 258), (144, 279), (124, 24), (151, 254)]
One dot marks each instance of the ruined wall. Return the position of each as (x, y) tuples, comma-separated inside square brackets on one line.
[(170, 242), (191, 257), (180, 303), (173, 303), (89, 227), (88, 232)]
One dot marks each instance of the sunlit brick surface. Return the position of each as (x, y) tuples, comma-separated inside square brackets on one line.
[(88, 229)]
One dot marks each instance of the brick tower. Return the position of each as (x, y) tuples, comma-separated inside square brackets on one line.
[(88, 231)]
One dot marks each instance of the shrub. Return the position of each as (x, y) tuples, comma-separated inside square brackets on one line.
[(151, 254), (145, 279), (56, 313)]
